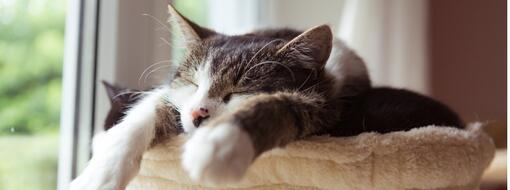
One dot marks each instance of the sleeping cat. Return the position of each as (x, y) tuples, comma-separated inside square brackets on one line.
[(239, 96), (379, 110)]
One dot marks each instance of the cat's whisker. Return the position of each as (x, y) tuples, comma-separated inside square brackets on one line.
[(313, 86), (262, 48), (132, 93), (149, 67), (166, 42), (154, 70), (158, 21), (258, 52), (306, 80)]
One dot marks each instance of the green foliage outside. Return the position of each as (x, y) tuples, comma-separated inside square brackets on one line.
[(195, 10), (31, 55), (29, 162)]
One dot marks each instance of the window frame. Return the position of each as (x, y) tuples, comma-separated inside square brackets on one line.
[(92, 50), (79, 71)]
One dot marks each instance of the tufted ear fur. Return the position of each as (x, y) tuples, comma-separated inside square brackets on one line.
[(192, 32), (313, 45)]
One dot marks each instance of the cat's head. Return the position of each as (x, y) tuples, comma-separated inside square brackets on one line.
[(221, 70), (121, 99)]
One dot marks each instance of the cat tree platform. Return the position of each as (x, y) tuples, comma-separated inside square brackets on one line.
[(424, 158)]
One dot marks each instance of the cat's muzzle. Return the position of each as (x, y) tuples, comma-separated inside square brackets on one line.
[(198, 120)]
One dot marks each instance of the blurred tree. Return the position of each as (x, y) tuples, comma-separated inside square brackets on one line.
[(31, 56)]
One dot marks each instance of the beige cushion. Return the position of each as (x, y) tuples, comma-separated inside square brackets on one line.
[(424, 158)]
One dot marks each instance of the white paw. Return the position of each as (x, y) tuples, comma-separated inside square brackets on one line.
[(97, 175), (218, 155), (111, 166)]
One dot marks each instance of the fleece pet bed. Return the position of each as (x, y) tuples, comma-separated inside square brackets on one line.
[(423, 158)]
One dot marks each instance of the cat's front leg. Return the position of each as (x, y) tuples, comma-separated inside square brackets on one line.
[(117, 157), (222, 151), (112, 165), (218, 154)]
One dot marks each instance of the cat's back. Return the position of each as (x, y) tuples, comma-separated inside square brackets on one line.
[(386, 109), (405, 103)]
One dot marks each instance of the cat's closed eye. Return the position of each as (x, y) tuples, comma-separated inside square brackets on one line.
[(227, 97)]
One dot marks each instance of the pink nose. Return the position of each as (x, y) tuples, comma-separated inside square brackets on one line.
[(199, 115), (201, 112)]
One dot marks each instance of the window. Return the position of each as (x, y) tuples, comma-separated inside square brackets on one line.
[(31, 55)]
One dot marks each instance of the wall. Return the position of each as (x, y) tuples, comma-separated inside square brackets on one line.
[(300, 14), (468, 57)]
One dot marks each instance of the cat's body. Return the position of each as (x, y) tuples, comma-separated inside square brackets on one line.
[(237, 96), (386, 110), (380, 110)]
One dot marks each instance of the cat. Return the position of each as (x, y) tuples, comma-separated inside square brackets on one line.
[(380, 110), (121, 99), (239, 96)]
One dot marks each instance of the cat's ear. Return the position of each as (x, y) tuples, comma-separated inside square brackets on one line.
[(192, 32), (314, 44), (112, 90)]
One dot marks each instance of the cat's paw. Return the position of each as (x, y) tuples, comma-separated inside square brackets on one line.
[(218, 154), (98, 175), (110, 168)]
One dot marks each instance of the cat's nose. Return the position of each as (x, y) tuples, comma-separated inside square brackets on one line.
[(199, 115)]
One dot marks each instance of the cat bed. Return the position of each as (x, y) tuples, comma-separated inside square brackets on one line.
[(423, 158)]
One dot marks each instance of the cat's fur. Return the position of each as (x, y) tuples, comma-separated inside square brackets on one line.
[(379, 110), (237, 96), (385, 110), (121, 99)]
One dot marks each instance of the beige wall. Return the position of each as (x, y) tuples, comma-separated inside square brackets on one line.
[(468, 57), (300, 14)]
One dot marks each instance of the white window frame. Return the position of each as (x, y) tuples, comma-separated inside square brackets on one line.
[(78, 88), (92, 50)]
